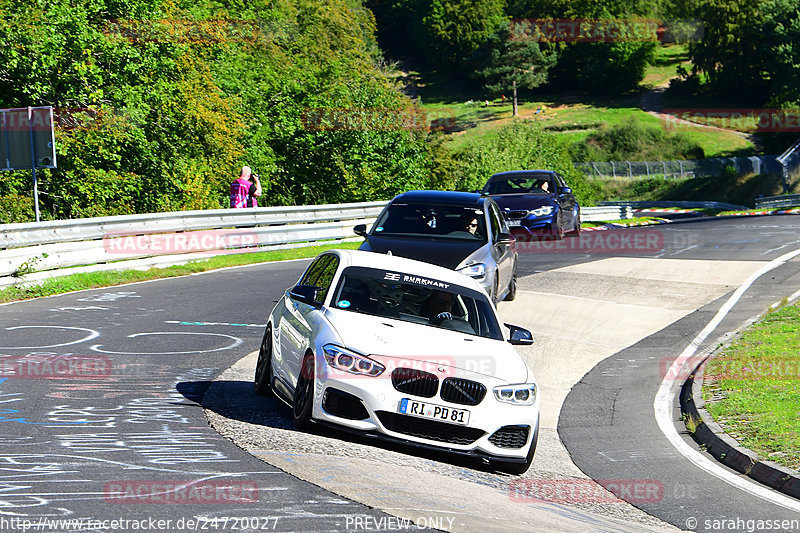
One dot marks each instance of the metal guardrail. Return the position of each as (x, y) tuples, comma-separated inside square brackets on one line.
[(168, 238), (606, 212), (68, 243), (681, 204), (28, 234), (786, 200)]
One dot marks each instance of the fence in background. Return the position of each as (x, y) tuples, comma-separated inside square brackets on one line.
[(765, 164), (675, 203)]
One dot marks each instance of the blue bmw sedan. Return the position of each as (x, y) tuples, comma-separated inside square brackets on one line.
[(536, 203)]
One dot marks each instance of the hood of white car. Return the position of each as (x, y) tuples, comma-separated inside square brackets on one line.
[(396, 343)]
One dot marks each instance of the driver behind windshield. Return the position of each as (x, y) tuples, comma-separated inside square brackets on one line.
[(438, 307), (470, 223)]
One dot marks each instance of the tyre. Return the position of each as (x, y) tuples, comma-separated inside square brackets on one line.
[(559, 233), (519, 468), (512, 288), (263, 379), (304, 394), (576, 230)]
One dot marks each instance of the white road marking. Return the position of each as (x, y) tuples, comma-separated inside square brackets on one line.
[(92, 334), (663, 401), (236, 342)]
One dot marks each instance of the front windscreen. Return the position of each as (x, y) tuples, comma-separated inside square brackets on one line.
[(442, 221), (416, 299), (527, 184)]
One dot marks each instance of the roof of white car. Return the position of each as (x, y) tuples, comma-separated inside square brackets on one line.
[(407, 266)]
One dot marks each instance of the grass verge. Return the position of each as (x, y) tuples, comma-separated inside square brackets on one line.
[(752, 388), (92, 280)]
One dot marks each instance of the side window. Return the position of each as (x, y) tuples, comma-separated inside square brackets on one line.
[(560, 181), (496, 221), (313, 271), (326, 277)]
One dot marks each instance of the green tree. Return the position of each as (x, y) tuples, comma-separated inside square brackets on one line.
[(448, 32), (512, 60), (781, 48), (730, 52)]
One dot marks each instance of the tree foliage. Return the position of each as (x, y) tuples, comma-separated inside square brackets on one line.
[(752, 46), (465, 38), (160, 103), (450, 31), (781, 30), (728, 53), (508, 57)]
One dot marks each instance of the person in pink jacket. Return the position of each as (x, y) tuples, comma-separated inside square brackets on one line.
[(245, 189)]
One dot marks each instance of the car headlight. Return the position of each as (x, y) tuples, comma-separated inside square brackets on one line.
[(519, 394), (348, 361), (475, 270), (542, 211)]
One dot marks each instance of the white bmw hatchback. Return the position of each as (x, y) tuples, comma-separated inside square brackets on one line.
[(405, 351)]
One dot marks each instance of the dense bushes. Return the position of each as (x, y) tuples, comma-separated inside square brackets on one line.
[(520, 145), (632, 140)]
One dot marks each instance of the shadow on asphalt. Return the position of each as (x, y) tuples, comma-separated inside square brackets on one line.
[(238, 401)]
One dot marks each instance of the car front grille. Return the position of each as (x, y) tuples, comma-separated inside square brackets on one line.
[(429, 429), (343, 404), (517, 214), (510, 436), (463, 391), (415, 382)]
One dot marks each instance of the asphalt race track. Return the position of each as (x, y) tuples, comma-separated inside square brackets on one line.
[(120, 439)]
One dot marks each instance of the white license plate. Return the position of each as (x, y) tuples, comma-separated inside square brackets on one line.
[(515, 222), (434, 412)]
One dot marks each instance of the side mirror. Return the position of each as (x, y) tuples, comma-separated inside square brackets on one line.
[(519, 336), (506, 238), (360, 230), (306, 294), (566, 190)]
